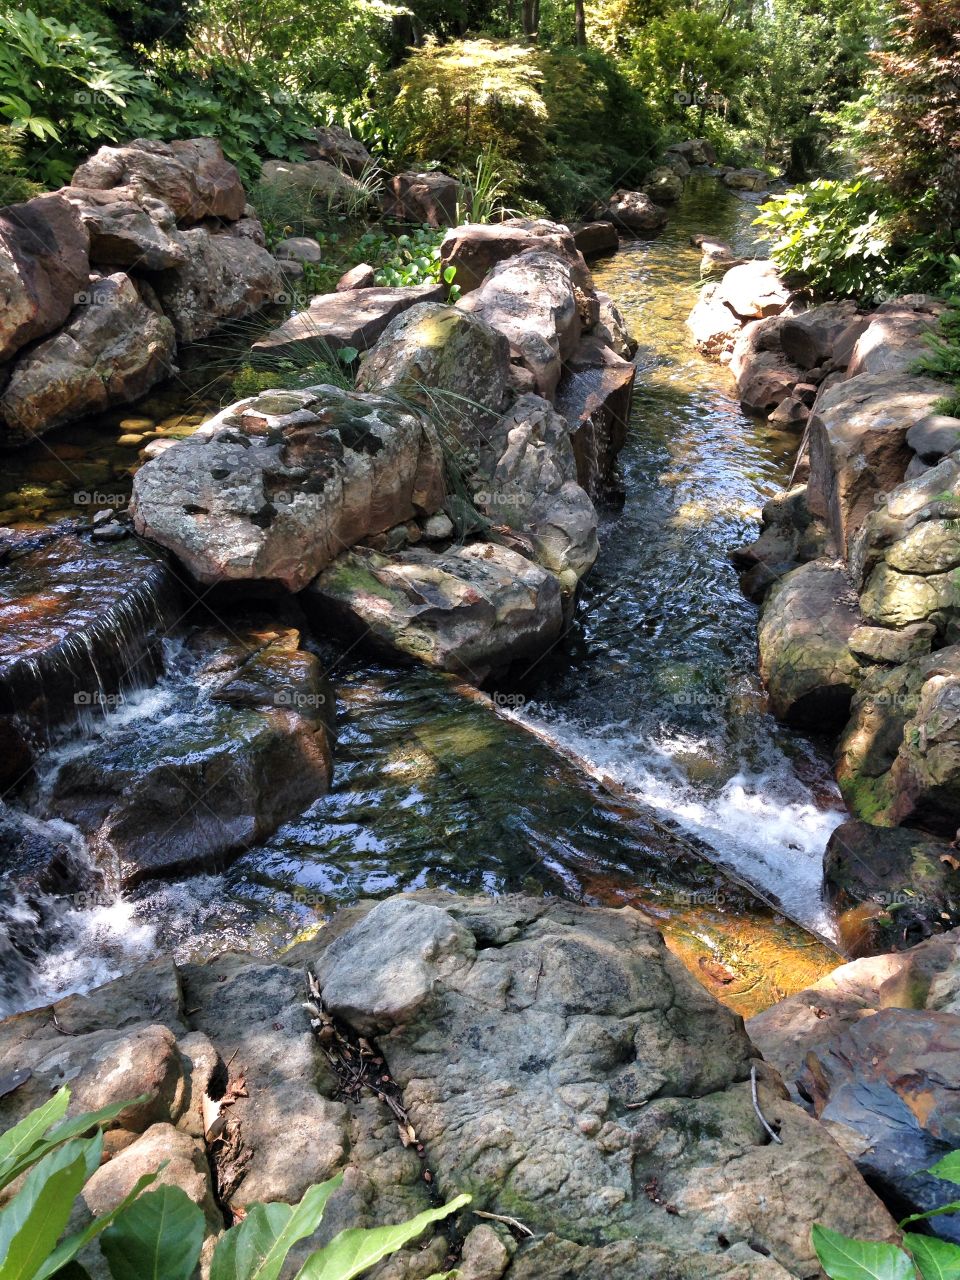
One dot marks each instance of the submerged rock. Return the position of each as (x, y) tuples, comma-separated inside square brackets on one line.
[(248, 750), (471, 609), (275, 487)]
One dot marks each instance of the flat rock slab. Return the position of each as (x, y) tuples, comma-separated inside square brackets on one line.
[(469, 610), (351, 318), (277, 486), (561, 1066)]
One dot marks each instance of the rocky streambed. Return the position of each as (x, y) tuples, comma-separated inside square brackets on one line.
[(282, 718)]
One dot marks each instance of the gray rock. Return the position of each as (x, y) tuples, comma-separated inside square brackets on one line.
[(663, 184), (933, 437), (300, 249), (471, 609), (276, 486), (359, 277), (319, 184), (611, 328), (431, 198), (126, 233), (595, 238), (810, 338), (634, 211)]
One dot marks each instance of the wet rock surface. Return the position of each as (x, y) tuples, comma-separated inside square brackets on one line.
[(351, 318)]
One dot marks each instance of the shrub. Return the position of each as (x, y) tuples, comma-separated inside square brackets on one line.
[(160, 1233)]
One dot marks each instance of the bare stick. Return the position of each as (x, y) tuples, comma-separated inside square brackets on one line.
[(756, 1105), (500, 1217)]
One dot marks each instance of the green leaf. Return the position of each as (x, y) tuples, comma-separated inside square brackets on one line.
[(846, 1259), (448, 274), (22, 1158), (257, 1248), (159, 1237), (952, 1207), (23, 1137), (936, 1259), (30, 1225), (358, 1248), (68, 1249), (347, 355), (948, 1168)]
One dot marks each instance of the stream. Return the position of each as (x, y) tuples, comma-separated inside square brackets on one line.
[(635, 763)]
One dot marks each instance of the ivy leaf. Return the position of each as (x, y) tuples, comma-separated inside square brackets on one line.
[(845, 1259)]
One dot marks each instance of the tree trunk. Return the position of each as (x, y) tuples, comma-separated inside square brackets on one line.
[(529, 18), (581, 24)]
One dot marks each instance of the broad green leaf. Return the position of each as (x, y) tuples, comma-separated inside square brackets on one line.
[(952, 1207), (31, 1224), (75, 1127), (158, 1237), (67, 1250), (16, 1142), (936, 1259), (257, 1247), (348, 354), (358, 1248), (846, 1259), (948, 1168)]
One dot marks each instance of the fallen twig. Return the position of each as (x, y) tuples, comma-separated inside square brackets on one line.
[(502, 1217), (756, 1105)]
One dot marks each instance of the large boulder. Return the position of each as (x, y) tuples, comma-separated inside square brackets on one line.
[(595, 238), (764, 375), (426, 198), (43, 266), (252, 751), (532, 300), (805, 657), (858, 444), (113, 348), (907, 554), (275, 487), (889, 887), (810, 338), (561, 1066), (754, 290), (339, 147), (899, 757), (663, 185), (475, 248), (746, 180), (634, 211), (453, 363), (789, 537), (223, 277), (694, 151), (471, 610), (346, 318), (530, 484), (595, 396), (191, 176), (127, 232), (895, 336)]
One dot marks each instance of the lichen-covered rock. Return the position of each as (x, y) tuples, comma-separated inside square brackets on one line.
[(317, 181), (906, 557), (471, 610), (453, 363), (634, 211), (113, 348), (44, 264), (805, 657), (858, 444), (532, 300), (529, 480), (899, 757), (276, 487), (191, 176), (789, 536), (349, 318), (562, 1066), (223, 277)]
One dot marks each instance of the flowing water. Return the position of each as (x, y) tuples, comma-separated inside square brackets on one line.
[(624, 767)]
